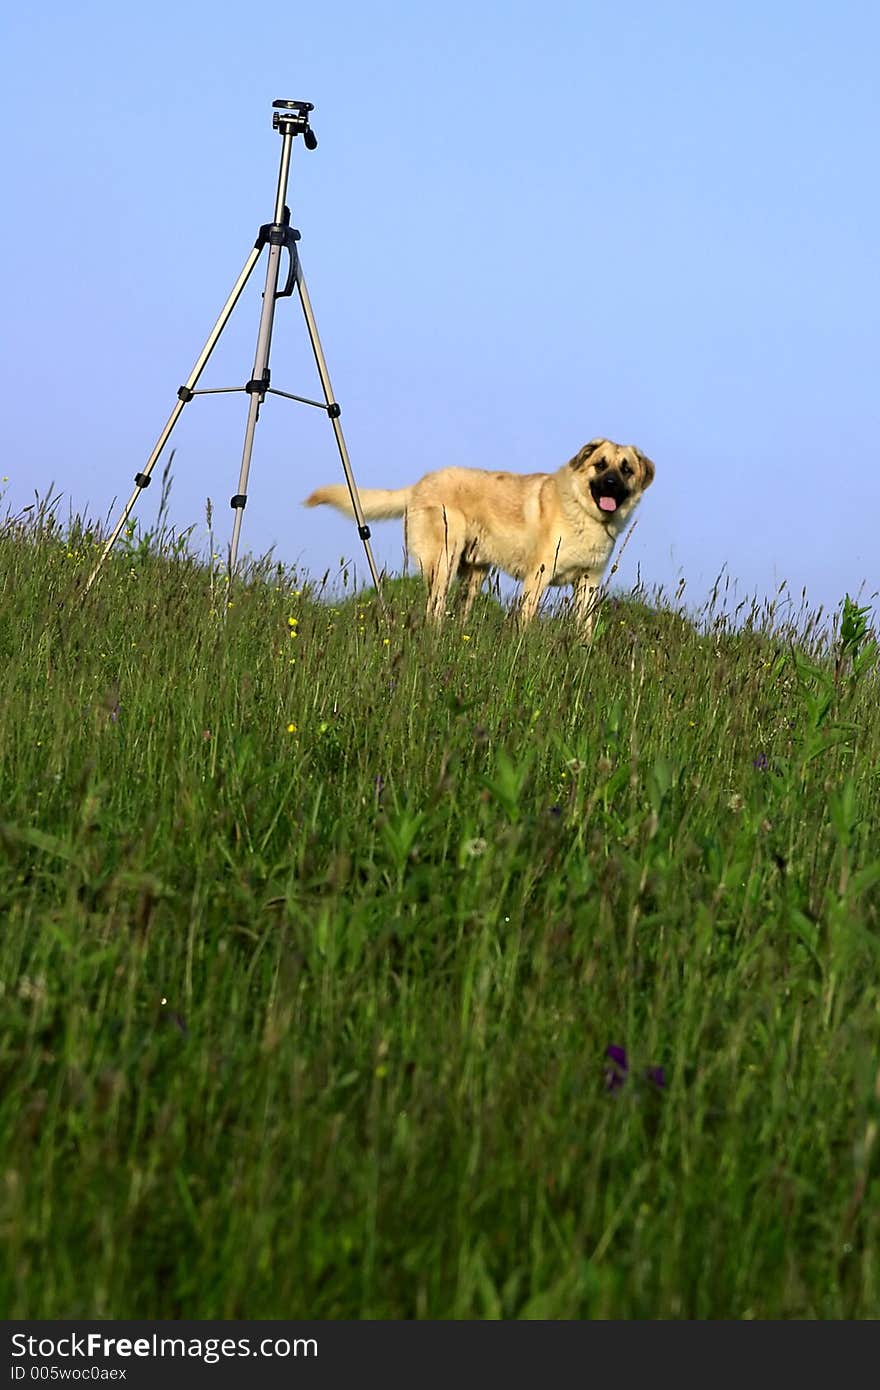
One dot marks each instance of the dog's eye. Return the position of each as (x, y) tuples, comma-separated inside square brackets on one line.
[(600, 465), (626, 470)]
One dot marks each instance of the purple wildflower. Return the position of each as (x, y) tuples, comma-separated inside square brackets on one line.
[(761, 763), (616, 1073)]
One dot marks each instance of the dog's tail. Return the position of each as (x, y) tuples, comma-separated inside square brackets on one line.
[(378, 503)]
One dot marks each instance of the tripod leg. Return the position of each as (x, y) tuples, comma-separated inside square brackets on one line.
[(256, 388), (333, 412), (184, 394)]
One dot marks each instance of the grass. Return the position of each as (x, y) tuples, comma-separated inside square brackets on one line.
[(316, 930)]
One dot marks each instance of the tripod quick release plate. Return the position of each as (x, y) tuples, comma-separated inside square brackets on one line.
[(292, 118)]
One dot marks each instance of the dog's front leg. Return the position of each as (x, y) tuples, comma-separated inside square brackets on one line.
[(586, 602), (532, 593)]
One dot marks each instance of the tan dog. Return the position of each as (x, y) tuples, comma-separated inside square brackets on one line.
[(543, 528)]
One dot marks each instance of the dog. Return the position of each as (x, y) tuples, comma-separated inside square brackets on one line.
[(541, 528)]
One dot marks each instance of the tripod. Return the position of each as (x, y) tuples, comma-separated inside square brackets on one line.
[(290, 118)]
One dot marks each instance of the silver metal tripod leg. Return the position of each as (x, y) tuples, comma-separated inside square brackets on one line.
[(333, 412), (257, 396), (184, 395)]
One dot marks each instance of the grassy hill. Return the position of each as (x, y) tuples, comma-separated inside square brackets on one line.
[(318, 929)]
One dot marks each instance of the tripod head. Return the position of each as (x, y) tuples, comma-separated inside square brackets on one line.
[(292, 118)]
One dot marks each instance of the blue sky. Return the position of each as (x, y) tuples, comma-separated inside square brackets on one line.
[(523, 226)]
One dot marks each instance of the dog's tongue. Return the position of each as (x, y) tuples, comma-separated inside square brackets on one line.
[(608, 504)]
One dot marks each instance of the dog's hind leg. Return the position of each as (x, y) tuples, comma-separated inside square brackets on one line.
[(436, 537), (472, 578)]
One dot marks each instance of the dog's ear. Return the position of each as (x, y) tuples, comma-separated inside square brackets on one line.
[(648, 469), (582, 457)]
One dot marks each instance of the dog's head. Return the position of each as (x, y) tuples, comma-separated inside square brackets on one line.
[(611, 477)]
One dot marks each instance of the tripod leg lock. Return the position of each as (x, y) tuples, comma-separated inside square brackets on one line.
[(238, 502), (364, 533), (142, 479), (259, 385), (185, 394), (334, 411)]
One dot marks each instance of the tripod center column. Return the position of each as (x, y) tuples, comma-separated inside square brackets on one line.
[(283, 174)]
